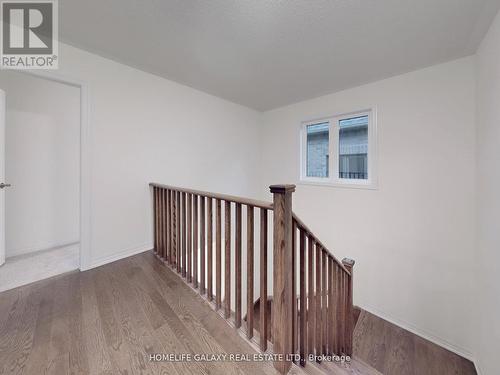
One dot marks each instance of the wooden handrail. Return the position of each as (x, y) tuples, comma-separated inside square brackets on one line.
[(309, 233), (250, 202), (308, 321), (222, 197)]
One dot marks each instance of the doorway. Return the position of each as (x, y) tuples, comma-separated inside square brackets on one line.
[(41, 155)]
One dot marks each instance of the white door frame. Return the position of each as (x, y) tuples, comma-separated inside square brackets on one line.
[(85, 162), (2, 176)]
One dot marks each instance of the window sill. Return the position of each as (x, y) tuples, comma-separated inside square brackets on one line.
[(369, 185)]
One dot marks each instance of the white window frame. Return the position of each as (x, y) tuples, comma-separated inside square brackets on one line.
[(333, 179)]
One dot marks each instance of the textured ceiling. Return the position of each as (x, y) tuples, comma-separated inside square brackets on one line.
[(269, 53)]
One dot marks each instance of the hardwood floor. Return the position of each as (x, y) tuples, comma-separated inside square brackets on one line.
[(109, 319), (395, 351)]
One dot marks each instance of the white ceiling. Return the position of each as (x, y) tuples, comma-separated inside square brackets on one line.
[(269, 53)]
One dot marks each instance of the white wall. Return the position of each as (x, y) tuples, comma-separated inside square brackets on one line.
[(488, 190), (2, 175), (413, 237), (144, 128), (42, 163)]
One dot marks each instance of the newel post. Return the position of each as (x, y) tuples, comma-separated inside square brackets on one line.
[(282, 276), (349, 327)]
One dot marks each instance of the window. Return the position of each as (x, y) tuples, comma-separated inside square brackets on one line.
[(340, 150), (353, 148), (318, 149)]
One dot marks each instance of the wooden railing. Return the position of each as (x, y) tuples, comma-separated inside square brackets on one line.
[(325, 295), (311, 291)]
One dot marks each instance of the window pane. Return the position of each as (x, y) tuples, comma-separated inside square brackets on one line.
[(318, 140), (353, 148)]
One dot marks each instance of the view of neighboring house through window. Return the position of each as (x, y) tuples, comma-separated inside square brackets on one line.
[(353, 148), (318, 145), (340, 150)]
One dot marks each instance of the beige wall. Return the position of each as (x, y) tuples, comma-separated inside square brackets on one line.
[(487, 259), (413, 237)]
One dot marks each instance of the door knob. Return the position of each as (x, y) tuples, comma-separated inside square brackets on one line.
[(3, 186)]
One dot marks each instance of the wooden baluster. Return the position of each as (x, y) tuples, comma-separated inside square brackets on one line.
[(178, 244), (167, 255), (173, 225), (319, 328), (183, 215), (250, 271), (349, 264), (331, 315), (189, 238), (311, 317), (346, 297), (160, 224), (163, 224), (202, 245), (303, 298), (328, 322), (168, 226), (263, 279), (210, 258), (227, 260), (345, 312), (194, 260), (237, 261), (282, 277), (158, 253), (324, 315), (155, 216), (294, 289), (326, 308), (342, 312), (338, 310), (334, 307), (179, 230), (172, 228), (163, 228), (218, 229)]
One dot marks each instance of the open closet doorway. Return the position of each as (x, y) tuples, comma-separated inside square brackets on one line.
[(41, 158)]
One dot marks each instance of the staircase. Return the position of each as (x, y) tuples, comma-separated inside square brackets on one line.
[(308, 323)]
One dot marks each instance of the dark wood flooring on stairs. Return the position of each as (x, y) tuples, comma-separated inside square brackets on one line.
[(395, 351)]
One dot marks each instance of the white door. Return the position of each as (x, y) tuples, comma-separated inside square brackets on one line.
[(2, 176)]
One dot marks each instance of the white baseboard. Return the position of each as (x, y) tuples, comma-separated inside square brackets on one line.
[(117, 256), (11, 253), (422, 333)]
